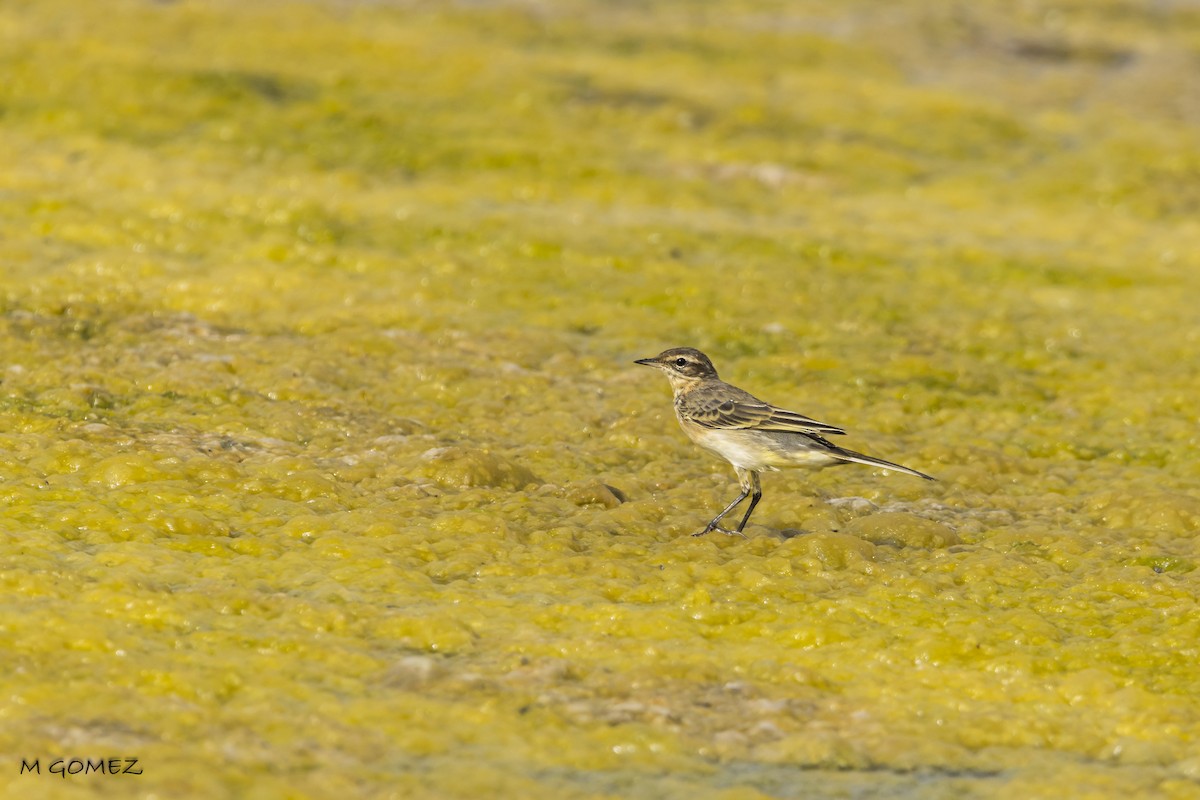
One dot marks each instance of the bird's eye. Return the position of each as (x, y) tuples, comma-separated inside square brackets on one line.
[(681, 362)]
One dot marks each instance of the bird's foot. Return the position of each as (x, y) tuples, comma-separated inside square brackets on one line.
[(719, 529)]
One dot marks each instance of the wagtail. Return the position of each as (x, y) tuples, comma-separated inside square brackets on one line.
[(752, 435)]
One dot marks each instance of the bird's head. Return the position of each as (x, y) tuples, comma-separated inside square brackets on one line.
[(683, 366)]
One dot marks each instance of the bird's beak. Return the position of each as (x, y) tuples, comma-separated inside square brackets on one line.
[(649, 362)]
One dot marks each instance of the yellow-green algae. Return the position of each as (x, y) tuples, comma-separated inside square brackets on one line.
[(317, 322)]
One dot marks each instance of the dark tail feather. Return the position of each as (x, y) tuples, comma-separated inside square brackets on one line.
[(859, 458)]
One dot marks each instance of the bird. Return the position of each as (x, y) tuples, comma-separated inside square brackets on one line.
[(752, 435)]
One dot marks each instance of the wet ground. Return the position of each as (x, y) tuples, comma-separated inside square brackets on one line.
[(325, 469)]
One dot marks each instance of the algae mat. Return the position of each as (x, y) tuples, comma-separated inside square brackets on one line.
[(325, 471)]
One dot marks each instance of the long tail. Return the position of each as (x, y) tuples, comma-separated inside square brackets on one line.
[(859, 458)]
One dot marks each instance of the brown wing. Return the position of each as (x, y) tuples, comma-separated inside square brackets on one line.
[(751, 413)]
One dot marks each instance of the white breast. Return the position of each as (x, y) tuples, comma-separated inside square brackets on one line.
[(758, 451)]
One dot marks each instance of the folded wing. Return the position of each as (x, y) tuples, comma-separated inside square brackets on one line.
[(754, 414)]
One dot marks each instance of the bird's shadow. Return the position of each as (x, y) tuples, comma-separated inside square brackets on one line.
[(790, 533)]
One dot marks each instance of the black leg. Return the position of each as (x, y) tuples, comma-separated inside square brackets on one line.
[(750, 488), (715, 524), (753, 502)]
